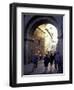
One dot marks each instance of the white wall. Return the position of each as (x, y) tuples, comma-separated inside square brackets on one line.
[(4, 43)]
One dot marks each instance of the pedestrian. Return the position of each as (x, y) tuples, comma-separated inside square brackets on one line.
[(52, 58), (58, 63), (57, 58), (46, 61), (34, 61)]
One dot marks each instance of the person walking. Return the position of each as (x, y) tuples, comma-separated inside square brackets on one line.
[(46, 61), (58, 63), (34, 61), (52, 58)]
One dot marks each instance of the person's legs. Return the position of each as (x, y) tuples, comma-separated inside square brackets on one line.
[(60, 68), (46, 68), (50, 67), (56, 67), (34, 66)]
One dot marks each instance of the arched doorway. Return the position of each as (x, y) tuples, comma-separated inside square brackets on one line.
[(45, 39), (32, 28), (44, 31), (42, 34)]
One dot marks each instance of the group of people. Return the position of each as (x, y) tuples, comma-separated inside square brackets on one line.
[(49, 58)]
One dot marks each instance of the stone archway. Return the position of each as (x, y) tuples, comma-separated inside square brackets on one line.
[(45, 39), (30, 29)]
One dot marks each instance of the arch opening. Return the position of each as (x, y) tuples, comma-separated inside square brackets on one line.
[(42, 36), (45, 38)]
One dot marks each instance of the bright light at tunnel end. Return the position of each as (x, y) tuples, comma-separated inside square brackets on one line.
[(50, 35)]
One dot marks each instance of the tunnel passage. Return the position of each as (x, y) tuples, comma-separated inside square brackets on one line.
[(42, 34), (45, 39)]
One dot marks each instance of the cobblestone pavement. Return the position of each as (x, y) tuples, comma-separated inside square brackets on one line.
[(28, 69)]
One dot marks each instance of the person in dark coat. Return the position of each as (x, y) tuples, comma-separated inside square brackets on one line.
[(52, 58), (58, 63), (46, 62), (57, 58), (60, 66), (35, 61)]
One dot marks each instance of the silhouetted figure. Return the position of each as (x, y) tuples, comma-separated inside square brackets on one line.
[(52, 58), (41, 57), (46, 61), (34, 61), (57, 58), (58, 63)]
